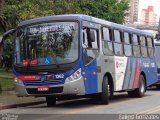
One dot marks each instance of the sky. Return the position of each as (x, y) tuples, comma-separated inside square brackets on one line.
[(143, 4)]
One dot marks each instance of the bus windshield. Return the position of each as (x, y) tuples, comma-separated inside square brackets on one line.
[(47, 43), (158, 55)]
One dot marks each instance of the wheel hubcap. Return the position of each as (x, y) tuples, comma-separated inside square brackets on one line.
[(108, 90), (142, 87)]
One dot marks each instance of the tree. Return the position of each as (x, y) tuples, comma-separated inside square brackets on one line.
[(111, 10), (7, 54)]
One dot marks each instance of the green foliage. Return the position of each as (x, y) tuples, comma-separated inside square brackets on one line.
[(6, 83), (14, 11), (111, 10), (4, 72), (7, 54)]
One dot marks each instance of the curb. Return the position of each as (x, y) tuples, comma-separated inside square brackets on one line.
[(7, 77), (20, 105)]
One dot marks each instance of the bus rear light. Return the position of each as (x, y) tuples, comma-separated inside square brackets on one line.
[(85, 78)]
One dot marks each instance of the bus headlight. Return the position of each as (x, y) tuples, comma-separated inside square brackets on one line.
[(74, 76), (18, 81)]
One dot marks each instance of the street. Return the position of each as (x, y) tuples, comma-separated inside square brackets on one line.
[(121, 104)]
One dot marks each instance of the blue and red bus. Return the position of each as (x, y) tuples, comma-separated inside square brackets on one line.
[(80, 55)]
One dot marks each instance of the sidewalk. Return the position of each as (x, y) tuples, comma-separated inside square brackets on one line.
[(6, 76), (10, 100)]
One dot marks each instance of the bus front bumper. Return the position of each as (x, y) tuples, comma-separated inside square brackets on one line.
[(75, 87)]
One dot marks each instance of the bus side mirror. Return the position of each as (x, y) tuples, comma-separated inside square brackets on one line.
[(92, 36)]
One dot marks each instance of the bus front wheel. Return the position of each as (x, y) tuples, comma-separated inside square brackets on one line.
[(105, 89), (51, 101)]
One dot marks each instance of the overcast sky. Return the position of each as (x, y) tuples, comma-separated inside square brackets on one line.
[(144, 3)]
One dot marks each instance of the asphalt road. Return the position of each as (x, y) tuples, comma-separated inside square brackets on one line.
[(87, 108)]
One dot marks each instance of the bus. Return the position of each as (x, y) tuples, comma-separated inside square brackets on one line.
[(80, 55), (157, 54)]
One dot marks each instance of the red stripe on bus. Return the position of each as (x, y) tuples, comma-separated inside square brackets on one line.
[(137, 75)]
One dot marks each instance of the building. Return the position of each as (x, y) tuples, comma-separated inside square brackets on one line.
[(148, 16), (132, 13)]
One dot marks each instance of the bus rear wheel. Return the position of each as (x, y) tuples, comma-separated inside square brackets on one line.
[(140, 91), (158, 87), (105, 91), (51, 101)]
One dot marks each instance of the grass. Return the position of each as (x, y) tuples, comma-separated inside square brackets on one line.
[(6, 83), (4, 72)]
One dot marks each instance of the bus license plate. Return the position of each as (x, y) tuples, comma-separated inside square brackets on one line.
[(43, 89)]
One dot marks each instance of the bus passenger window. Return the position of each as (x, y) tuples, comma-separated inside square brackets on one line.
[(117, 36), (118, 48), (107, 41), (150, 47), (106, 34), (127, 44), (126, 38), (143, 46), (135, 39), (136, 47)]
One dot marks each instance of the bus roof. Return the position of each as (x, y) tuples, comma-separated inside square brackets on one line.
[(86, 18)]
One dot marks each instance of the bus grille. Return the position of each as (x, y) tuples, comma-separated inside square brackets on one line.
[(41, 83)]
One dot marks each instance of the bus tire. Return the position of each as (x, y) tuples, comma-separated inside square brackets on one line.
[(158, 87), (104, 95), (131, 94), (140, 91), (51, 101)]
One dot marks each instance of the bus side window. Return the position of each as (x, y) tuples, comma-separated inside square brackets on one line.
[(150, 47), (90, 48), (107, 41), (118, 48), (127, 44), (143, 46), (136, 48)]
